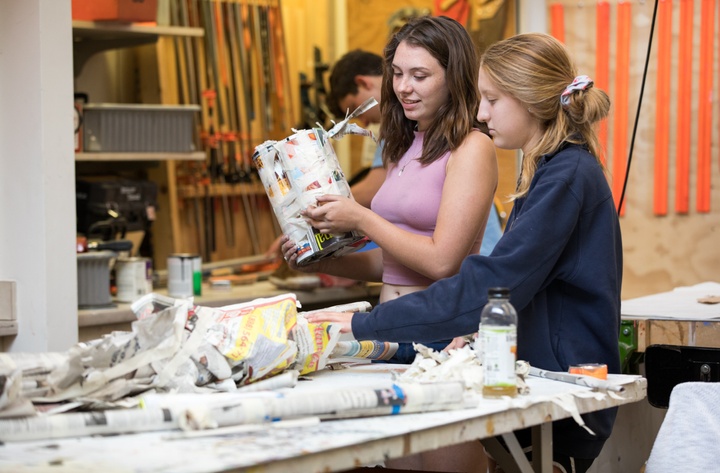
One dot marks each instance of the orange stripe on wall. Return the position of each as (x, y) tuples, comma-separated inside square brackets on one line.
[(662, 116), (602, 65), (705, 105), (682, 154), (622, 79), (557, 21)]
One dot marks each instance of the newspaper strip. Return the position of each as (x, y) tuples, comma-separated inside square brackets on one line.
[(344, 127), (34, 369), (153, 339), (178, 403), (358, 306), (350, 350), (353, 350), (578, 379), (262, 408)]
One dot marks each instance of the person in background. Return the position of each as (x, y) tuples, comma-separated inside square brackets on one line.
[(561, 253), (356, 77), (431, 211)]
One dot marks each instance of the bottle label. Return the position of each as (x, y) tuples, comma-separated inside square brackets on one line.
[(499, 346)]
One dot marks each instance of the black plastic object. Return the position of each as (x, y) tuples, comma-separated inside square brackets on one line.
[(113, 245), (666, 366), (100, 201)]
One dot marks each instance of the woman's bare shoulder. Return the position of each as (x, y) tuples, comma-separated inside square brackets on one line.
[(476, 142)]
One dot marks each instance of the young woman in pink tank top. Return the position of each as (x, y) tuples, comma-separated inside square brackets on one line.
[(432, 209), (442, 174)]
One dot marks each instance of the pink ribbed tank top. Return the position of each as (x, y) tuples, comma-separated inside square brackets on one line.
[(410, 198)]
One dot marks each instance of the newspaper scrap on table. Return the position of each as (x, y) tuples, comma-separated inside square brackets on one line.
[(298, 169), (429, 366), (465, 365), (356, 350), (460, 364), (249, 349), (175, 346), (352, 350)]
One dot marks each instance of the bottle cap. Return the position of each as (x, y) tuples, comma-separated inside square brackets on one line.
[(498, 292)]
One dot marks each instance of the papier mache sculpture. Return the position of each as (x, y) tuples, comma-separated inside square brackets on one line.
[(296, 170)]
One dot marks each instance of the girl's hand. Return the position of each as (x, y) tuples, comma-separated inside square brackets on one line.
[(456, 343), (289, 251), (335, 214), (344, 319)]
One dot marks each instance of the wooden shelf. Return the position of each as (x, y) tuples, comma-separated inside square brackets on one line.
[(90, 37), (217, 190), (119, 157), (110, 30)]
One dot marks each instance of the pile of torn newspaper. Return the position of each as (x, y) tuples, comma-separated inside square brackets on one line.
[(174, 346), (181, 348)]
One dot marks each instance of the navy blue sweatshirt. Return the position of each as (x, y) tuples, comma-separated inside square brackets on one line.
[(561, 258)]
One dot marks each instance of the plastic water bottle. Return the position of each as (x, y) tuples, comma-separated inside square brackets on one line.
[(498, 339)]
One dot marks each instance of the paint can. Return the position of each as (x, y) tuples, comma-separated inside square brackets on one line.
[(93, 274), (133, 277), (184, 275)]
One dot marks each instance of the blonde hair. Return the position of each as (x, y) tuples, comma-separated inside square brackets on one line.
[(535, 69)]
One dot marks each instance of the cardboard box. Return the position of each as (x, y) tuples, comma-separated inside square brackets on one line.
[(115, 10)]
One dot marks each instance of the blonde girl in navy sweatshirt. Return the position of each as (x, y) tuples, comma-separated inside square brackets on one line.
[(561, 253)]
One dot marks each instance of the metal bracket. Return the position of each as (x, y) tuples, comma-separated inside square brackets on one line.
[(628, 345)]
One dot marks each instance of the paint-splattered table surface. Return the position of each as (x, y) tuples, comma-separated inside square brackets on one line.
[(330, 445)]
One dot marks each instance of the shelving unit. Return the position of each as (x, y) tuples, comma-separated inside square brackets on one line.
[(214, 190), (174, 64), (120, 157), (91, 37)]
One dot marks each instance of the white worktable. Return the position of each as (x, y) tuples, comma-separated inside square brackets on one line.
[(676, 317), (331, 445)]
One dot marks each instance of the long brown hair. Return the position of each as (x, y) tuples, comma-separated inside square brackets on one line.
[(448, 42), (535, 68)]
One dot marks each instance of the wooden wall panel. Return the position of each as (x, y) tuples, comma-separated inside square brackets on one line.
[(661, 252), (367, 21)]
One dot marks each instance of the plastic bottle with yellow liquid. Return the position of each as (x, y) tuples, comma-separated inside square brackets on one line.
[(498, 339)]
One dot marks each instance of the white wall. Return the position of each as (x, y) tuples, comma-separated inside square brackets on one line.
[(532, 17), (37, 174)]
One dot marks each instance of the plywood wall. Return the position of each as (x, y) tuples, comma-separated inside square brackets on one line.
[(679, 248)]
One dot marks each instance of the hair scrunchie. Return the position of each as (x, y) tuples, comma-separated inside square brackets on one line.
[(579, 83)]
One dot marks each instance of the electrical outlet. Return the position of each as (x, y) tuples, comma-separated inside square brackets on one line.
[(7, 301)]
